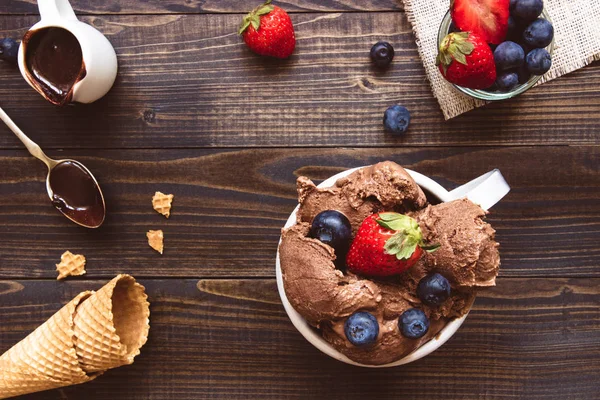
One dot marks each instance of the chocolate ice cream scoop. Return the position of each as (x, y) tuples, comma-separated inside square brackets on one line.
[(326, 297), (384, 186), (468, 254), (316, 289)]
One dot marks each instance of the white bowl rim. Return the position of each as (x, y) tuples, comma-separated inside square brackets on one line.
[(317, 340)]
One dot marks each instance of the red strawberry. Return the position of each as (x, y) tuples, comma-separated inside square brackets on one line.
[(268, 31), (386, 244), (487, 18), (467, 60)]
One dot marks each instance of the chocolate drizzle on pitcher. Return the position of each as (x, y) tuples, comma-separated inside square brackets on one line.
[(76, 194), (54, 63)]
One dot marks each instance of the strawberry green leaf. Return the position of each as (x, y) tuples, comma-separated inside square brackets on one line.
[(388, 216), (460, 49), (465, 47), (440, 62), (402, 246), (264, 10), (408, 235), (398, 222), (447, 58), (253, 18), (460, 58), (430, 248), (255, 21), (244, 26), (455, 46)]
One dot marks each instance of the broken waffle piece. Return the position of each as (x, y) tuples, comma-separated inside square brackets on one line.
[(155, 240), (70, 265), (162, 203)]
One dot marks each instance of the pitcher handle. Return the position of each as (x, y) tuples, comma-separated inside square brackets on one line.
[(54, 9), (486, 190)]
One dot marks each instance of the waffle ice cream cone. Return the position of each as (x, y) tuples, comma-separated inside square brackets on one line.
[(112, 325), (95, 332), (45, 359)]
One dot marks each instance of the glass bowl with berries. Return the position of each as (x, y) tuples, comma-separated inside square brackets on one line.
[(497, 49)]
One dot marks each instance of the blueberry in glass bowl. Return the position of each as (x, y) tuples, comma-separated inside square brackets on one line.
[(520, 33)]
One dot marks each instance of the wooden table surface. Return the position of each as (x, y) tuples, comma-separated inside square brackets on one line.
[(194, 113)]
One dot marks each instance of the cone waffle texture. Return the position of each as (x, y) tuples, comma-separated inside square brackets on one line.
[(70, 265), (45, 359), (112, 325), (93, 333), (162, 203)]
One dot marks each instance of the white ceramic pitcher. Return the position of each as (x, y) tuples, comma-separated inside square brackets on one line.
[(98, 54), (486, 191)]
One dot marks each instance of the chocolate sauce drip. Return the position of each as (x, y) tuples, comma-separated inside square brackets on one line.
[(76, 194), (54, 62)]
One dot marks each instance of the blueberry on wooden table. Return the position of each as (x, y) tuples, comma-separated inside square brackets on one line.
[(396, 119), (9, 50), (382, 54)]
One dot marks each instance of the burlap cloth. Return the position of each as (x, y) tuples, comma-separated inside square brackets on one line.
[(577, 43)]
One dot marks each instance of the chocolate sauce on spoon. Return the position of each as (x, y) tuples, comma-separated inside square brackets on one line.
[(72, 188), (76, 194)]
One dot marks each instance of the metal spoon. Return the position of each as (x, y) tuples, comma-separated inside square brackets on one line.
[(75, 213)]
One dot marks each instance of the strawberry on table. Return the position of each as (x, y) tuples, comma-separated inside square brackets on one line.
[(386, 244), (268, 31), (487, 18), (465, 59)]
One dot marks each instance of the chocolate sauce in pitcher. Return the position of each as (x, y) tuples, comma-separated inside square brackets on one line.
[(54, 62)]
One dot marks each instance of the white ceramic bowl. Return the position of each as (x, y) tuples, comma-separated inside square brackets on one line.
[(486, 190)]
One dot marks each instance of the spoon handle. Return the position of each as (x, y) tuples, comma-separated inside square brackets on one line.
[(33, 148)]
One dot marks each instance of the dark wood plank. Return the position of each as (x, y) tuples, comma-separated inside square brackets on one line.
[(526, 338), (230, 206), (188, 81), (204, 6)]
